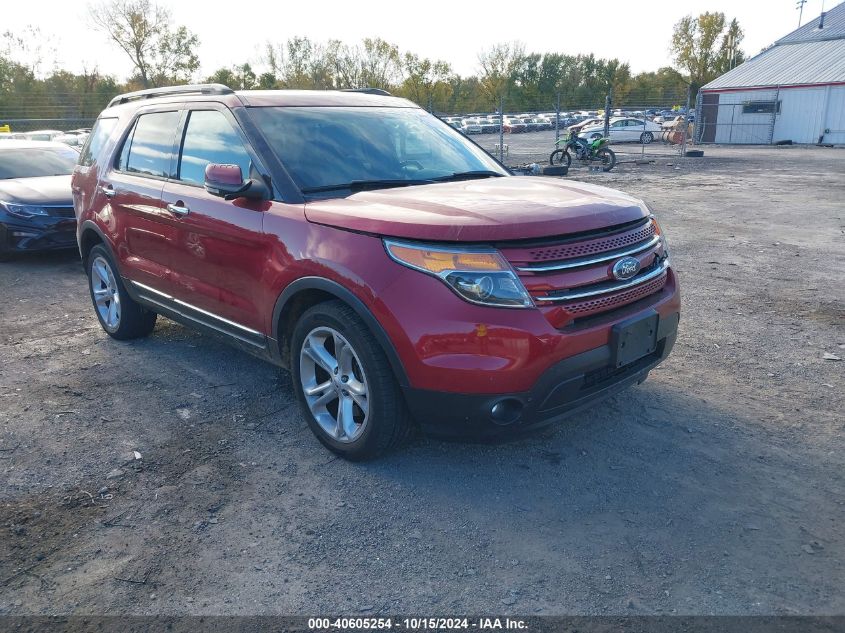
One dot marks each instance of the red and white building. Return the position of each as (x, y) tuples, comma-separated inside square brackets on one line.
[(792, 91)]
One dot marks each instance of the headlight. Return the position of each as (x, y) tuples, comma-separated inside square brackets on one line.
[(23, 210), (662, 235), (477, 275)]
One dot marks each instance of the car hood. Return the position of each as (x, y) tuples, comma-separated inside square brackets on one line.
[(40, 190), (489, 210)]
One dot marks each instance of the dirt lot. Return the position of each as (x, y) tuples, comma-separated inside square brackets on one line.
[(715, 487)]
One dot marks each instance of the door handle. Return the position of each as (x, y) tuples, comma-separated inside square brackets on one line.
[(107, 190), (178, 209)]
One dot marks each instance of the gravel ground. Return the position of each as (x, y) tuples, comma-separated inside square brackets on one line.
[(716, 487)]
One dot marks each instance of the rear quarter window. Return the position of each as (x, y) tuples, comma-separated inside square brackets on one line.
[(99, 135)]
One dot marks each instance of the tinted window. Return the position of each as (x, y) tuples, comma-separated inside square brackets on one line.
[(99, 135), (36, 161), (147, 150), (209, 138), (329, 146)]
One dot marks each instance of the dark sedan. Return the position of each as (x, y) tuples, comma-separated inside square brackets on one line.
[(36, 206)]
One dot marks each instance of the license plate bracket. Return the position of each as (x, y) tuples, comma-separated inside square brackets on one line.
[(634, 338)]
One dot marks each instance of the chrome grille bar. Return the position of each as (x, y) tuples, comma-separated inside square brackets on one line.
[(605, 288), (587, 261)]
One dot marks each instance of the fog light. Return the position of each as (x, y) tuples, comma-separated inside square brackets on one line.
[(507, 411)]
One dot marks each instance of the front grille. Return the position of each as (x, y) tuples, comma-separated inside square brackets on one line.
[(574, 275), (60, 212), (612, 301), (593, 247)]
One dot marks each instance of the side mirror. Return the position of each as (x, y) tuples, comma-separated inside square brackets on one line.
[(227, 182)]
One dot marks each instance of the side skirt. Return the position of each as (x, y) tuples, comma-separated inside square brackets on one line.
[(235, 334)]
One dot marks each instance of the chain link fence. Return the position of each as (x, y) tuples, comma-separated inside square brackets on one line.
[(737, 118), (524, 129), (34, 125), (521, 131)]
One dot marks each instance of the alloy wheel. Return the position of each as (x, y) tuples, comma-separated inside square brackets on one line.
[(106, 293), (335, 386)]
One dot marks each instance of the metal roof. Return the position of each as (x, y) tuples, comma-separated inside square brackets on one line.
[(808, 55), (834, 27), (788, 64)]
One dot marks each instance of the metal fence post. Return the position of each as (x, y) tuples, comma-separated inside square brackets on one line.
[(686, 122), (501, 129), (557, 119), (608, 104)]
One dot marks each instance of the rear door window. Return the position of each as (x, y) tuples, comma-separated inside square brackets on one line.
[(210, 138), (149, 147)]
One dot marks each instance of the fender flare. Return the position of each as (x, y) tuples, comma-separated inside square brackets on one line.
[(337, 290), (92, 226)]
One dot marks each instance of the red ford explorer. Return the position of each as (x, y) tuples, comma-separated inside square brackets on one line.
[(399, 272)]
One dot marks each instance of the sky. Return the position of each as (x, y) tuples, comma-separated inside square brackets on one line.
[(637, 33)]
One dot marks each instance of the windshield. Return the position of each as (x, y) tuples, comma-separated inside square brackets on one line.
[(324, 147), (32, 162)]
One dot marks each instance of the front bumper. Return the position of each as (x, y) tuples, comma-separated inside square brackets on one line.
[(566, 387), (41, 233)]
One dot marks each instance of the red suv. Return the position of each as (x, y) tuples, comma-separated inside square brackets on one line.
[(399, 272)]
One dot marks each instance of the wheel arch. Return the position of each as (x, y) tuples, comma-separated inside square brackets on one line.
[(306, 292), (89, 236)]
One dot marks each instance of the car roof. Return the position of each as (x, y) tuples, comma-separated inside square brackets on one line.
[(21, 144), (259, 98), (320, 98)]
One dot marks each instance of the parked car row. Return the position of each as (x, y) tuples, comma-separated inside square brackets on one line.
[(74, 138), (649, 122)]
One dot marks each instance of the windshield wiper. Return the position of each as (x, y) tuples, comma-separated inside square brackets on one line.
[(469, 175), (363, 185)]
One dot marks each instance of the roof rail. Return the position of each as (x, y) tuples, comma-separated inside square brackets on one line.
[(201, 89), (369, 91)]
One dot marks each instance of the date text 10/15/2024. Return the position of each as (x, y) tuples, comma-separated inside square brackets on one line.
[(417, 624)]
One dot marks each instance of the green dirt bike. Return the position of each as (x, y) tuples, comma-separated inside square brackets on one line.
[(587, 152)]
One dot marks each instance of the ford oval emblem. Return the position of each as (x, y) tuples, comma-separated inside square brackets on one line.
[(626, 268)]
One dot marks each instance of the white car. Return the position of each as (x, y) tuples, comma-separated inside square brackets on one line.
[(43, 135), (624, 129), (471, 126)]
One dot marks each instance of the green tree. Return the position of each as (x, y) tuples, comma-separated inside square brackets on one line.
[(498, 67), (159, 53), (700, 46), (426, 81)]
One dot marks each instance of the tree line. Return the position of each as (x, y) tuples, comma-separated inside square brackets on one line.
[(163, 53)]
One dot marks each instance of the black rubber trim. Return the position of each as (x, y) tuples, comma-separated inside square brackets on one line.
[(91, 225), (334, 288)]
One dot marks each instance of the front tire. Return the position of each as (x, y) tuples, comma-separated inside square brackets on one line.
[(344, 384), (5, 254), (119, 315), (646, 138), (560, 157)]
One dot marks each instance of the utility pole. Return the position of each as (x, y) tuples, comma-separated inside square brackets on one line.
[(799, 4)]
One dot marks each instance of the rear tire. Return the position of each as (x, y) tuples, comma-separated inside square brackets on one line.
[(607, 157), (341, 366), (119, 315)]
